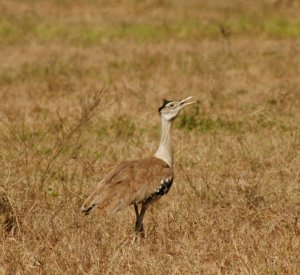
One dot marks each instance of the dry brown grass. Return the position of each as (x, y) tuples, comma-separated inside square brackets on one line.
[(234, 206)]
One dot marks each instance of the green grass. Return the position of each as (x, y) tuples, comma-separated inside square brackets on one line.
[(206, 124), (213, 124), (183, 29)]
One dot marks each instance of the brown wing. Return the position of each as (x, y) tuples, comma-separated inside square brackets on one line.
[(131, 182)]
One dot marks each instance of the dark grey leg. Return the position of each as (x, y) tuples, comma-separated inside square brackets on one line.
[(139, 228), (136, 209)]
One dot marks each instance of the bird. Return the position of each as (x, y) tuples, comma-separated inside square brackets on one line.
[(139, 182)]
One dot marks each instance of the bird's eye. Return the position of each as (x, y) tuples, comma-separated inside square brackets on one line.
[(171, 105)]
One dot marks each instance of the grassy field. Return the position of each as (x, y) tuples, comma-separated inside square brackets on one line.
[(80, 84)]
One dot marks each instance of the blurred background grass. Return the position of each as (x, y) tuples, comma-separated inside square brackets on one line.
[(89, 23), (234, 206)]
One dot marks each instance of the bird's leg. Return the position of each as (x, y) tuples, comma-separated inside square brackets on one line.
[(136, 209), (139, 228)]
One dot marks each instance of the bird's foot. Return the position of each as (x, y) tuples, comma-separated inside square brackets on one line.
[(139, 230)]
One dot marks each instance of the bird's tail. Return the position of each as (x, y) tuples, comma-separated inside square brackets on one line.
[(92, 202), (103, 201)]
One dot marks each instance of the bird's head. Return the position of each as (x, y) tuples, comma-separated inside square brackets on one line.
[(170, 109)]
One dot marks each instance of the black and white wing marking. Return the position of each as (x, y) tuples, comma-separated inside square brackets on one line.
[(163, 189)]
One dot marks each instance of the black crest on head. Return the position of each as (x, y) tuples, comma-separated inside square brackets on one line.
[(165, 102)]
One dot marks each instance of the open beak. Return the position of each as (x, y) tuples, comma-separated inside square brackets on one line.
[(185, 102)]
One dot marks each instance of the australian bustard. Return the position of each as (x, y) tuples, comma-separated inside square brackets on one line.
[(139, 182)]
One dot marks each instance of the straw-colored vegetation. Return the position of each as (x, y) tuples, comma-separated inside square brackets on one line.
[(80, 84)]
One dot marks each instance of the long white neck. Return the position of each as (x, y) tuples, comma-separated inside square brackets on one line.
[(165, 151)]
